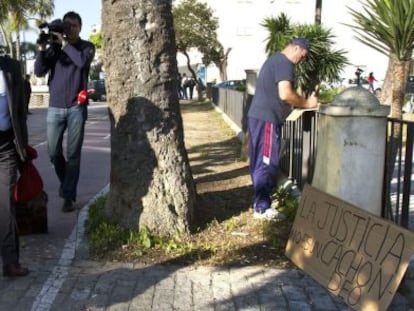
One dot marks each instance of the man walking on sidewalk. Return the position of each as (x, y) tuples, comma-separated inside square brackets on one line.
[(67, 59), (273, 100)]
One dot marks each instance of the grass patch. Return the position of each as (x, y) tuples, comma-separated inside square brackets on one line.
[(238, 240)]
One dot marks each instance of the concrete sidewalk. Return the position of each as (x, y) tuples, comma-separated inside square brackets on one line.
[(63, 278)]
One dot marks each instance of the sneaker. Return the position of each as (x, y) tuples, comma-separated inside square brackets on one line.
[(68, 206), (269, 213)]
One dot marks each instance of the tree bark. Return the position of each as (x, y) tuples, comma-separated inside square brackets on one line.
[(151, 181), (318, 12), (399, 72)]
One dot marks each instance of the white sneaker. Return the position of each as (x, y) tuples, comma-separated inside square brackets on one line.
[(269, 213)]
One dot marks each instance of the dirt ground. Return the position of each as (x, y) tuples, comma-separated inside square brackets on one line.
[(225, 233)]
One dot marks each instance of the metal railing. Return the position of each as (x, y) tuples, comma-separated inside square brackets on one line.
[(398, 173), (298, 148), (234, 104), (298, 153)]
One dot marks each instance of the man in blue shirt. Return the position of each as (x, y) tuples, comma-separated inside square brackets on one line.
[(273, 101), (67, 61)]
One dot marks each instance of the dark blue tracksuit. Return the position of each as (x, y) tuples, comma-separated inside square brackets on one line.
[(265, 118)]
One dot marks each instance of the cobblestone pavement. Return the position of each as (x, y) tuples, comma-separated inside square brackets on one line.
[(62, 277)]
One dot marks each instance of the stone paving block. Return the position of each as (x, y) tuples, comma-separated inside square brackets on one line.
[(248, 301), (294, 293), (11, 307), (142, 296), (24, 303), (104, 284), (300, 305), (42, 276), (20, 284), (272, 297), (318, 298), (280, 277), (121, 293), (121, 306), (11, 297), (183, 298), (162, 305), (221, 290), (139, 308), (80, 293), (55, 303), (340, 304), (68, 284), (203, 295), (97, 301), (33, 291)]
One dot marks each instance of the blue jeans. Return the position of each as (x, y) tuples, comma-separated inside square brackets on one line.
[(58, 120)]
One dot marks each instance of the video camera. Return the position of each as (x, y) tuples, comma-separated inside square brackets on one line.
[(56, 25)]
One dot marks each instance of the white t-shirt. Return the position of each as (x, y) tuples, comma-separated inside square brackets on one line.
[(2, 83)]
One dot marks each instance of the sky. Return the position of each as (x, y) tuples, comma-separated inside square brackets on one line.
[(89, 10)]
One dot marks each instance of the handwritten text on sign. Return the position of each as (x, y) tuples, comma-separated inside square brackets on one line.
[(354, 254)]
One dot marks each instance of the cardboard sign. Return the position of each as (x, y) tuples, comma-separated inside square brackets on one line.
[(354, 254)]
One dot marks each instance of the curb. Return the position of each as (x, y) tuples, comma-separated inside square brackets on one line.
[(81, 243)]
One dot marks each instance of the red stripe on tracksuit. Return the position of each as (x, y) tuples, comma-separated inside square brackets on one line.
[(267, 142)]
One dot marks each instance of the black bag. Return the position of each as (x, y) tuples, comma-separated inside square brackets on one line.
[(191, 82), (31, 217)]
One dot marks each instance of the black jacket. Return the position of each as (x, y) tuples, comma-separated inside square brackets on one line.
[(17, 106)]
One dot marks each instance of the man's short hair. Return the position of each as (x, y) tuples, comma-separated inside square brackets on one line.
[(73, 15)]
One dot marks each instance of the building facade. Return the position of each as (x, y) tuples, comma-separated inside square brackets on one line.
[(240, 29)]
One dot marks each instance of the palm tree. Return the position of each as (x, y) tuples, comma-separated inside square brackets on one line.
[(13, 19), (42, 9), (324, 64), (18, 22), (318, 12), (387, 26)]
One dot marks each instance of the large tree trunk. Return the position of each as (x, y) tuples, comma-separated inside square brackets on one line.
[(151, 181), (318, 12), (222, 65), (386, 97), (399, 72)]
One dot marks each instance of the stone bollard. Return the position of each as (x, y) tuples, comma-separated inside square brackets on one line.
[(251, 79), (351, 149)]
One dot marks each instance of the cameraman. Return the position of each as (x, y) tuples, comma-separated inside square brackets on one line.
[(66, 58)]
